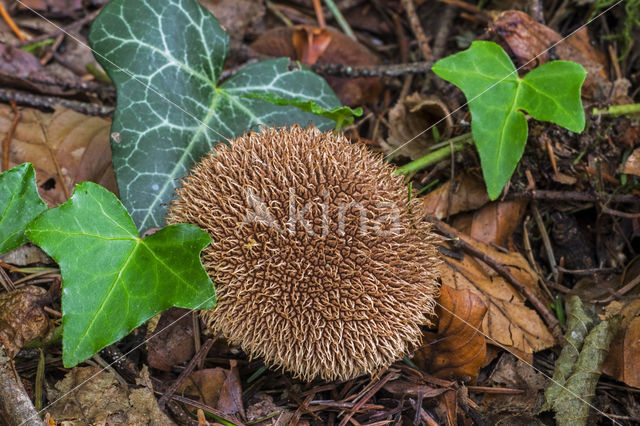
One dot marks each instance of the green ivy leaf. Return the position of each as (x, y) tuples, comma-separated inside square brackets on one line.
[(113, 280), (165, 58), (19, 204), (343, 116), (497, 97)]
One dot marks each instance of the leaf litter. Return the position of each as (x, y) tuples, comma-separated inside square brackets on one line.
[(556, 163)]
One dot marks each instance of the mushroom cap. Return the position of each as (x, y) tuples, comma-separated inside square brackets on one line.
[(322, 264)]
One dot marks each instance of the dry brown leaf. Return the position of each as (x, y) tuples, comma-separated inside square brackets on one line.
[(493, 223), (512, 373), (239, 18), (457, 350), (632, 165), (22, 318), (205, 385), (407, 121), (624, 355), (341, 50), (528, 39), (80, 144), (467, 193), (89, 395), (310, 43), (508, 321), (173, 344), (230, 401), (18, 67)]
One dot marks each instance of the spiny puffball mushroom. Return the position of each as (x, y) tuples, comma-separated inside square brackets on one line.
[(322, 264)]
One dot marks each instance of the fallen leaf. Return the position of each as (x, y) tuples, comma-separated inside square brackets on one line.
[(467, 192), (493, 223), (79, 143), (512, 373), (91, 395), (230, 401), (205, 385), (624, 356), (22, 318), (407, 121), (457, 350), (310, 43), (341, 50), (632, 165), (20, 69), (240, 18), (173, 344), (508, 321)]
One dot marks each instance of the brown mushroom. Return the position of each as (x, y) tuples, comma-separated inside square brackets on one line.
[(322, 264)]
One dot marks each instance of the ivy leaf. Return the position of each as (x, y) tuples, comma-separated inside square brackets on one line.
[(165, 58), (497, 97), (19, 204), (343, 116), (113, 280)]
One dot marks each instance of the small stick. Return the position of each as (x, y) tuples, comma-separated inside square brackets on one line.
[(7, 140), (374, 389), (11, 22), (573, 196), (204, 350), (542, 309), (37, 101), (545, 241), (395, 70), (416, 27), (317, 7), (15, 405)]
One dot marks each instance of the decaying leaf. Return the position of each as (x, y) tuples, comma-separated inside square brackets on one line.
[(407, 121), (340, 50), (624, 357), (457, 350), (89, 395), (508, 321), (22, 318), (493, 223), (19, 69), (465, 192), (217, 387), (632, 165), (513, 373), (79, 143), (173, 344), (239, 18)]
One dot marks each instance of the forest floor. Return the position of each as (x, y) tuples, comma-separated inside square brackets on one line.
[(567, 224)]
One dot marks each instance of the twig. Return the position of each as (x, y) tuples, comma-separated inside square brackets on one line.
[(442, 36), (15, 405), (317, 7), (546, 242), (461, 244), (403, 43), (374, 389), (204, 350), (395, 70), (7, 140), (10, 22), (535, 10), (76, 24), (273, 9), (38, 101), (573, 196), (344, 25), (416, 27)]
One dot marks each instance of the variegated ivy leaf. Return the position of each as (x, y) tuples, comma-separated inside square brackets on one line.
[(165, 58)]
